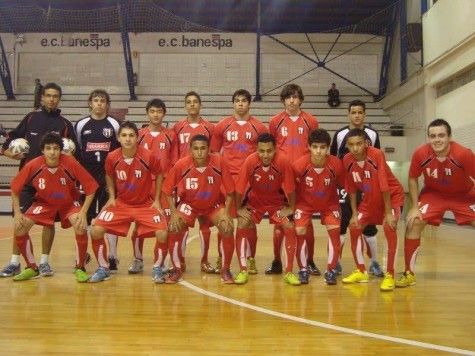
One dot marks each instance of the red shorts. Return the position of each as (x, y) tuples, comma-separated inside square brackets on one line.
[(44, 214), (328, 216), (274, 214), (375, 215), (190, 214), (433, 205), (117, 219)]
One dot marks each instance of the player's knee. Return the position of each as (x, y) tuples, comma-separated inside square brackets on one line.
[(300, 230), (161, 235)]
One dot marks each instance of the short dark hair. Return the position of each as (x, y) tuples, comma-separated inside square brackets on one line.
[(356, 103), (193, 93), (51, 138), (291, 89), (200, 137), (100, 93), (128, 125), (356, 133), (156, 103), (440, 122), (242, 92), (52, 86), (319, 136), (265, 138)]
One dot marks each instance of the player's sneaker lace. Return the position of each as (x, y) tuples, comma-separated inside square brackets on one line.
[(388, 283), (100, 275), (227, 276), (28, 273), (136, 267), (45, 269), (407, 279), (219, 265), (174, 277), (10, 270), (113, 262), (157, 275), (303, 276), (330, 276), (291, 279), (312, 268), (242, 278), (251, 265), (275, 267), (356, 277), (375, 269), (206, 267), (81, 275)]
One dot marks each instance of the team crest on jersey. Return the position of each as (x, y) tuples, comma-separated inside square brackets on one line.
[(107, 132)]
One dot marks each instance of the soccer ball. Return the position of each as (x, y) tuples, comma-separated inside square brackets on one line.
[(68, 146), (19, 145)]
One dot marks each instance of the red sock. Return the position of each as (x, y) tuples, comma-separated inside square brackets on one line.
[(301, 252), (252, 241), (333, 248), (277, 241), (137, 244), (205, 236), (182, 250), (290, 247), (310, 237), (391, 238), (241, 247), (160, 252), (227, 250), (26, 249), (174, 248), (100, 251), (411, 249), (81, 249), (357, 246)]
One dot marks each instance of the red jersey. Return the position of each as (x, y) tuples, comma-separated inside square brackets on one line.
[(268, 186), (199, 187), (237, 139), (372, 176), (133, 177), (185, 131), (450, 175), (317, 187), (291, 134), (56, 186), (162, 143)]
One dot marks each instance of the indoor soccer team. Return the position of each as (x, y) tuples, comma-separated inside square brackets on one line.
[(163, 180)]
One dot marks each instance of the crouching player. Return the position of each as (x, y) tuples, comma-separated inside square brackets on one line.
[(130, 170), (54, 177), (318, 174), (383, 199)]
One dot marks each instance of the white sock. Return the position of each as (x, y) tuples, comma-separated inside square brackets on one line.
[(373, 246), (112, 245), (44, 259), (15, 260)]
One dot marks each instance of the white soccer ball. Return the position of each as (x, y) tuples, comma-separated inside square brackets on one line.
[(19, 145), (68, 146)]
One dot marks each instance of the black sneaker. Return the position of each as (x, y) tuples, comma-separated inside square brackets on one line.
[(303, 276), (275, 268), (113, 262), (312, 268), (330, 276)]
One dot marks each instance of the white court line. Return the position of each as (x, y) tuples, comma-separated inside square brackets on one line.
[(320, 324)]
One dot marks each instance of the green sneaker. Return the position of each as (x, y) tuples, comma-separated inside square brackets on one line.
[(291, 279), (218, 267), (28, 273), (251, 265), (81, 275), (242, 278)]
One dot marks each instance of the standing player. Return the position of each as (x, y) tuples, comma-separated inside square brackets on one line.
[(291, 129), (97, 136), (266, 184), (356, 115), (449, 174), (130, 171), (54, 177), (33, 127), (185, 129), (163, 143), (201, 180), (318, 174), (236, 138), (383, 199)]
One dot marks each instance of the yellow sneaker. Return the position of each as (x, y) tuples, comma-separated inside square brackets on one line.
[(251, 265), (388, 283), (242, 278), (356, 277), (407, 279), (291, 279)]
